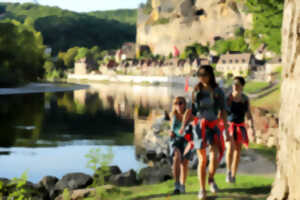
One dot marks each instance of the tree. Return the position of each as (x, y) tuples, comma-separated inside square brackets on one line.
[(21, 53), (267, 22), (69, 57), (82, 52)]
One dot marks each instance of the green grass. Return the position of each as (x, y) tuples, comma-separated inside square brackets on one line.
[(269, 153), (253, 86), (247, 187), (270, 102)]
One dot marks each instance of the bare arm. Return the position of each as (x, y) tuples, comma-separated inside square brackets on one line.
[(250, 120), (187, 117)]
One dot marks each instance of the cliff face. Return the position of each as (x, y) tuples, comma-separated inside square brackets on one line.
[(183, 22), (286, 185)]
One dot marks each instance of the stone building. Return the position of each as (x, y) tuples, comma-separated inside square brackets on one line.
[(83, 66), (237, 64)]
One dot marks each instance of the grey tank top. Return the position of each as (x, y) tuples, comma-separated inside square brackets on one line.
[(207, 104)]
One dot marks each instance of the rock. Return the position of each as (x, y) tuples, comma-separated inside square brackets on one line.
[(89, 192), (113, 170), (286, 185), (151, 155), (4, 180), (48, 182), (125, 179), (73, 181), (152, 175)]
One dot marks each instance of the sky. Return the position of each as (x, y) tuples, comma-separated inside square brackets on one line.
[(86, 5)]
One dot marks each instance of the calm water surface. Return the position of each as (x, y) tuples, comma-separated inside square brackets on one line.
[(50, 133)]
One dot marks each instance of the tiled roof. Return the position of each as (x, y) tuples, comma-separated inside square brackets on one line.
[(235, 58)]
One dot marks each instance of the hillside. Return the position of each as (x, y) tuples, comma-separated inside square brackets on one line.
[(63, 29)]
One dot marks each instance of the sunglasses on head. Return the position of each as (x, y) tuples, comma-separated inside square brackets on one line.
[(179, 103)]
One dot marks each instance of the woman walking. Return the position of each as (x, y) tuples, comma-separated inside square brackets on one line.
[(208, 104), (238, 106), (178, 144)]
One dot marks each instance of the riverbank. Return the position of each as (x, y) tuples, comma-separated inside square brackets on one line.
[(145, 80), (43, 87)]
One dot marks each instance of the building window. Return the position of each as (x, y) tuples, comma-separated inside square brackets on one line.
[(236, 61), (230, 61), (224, 61), (243, 60)]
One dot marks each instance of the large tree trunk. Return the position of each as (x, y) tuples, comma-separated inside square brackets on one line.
[(287, 185)]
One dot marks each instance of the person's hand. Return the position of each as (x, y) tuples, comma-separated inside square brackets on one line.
[(227, 139), (171, 134), (181, 131), (252, 133)]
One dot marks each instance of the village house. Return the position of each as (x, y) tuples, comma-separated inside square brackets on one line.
[(127, 51), (237, 64), (82, 66)]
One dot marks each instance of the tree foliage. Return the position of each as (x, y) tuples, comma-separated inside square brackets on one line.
[(63, 29), (21, 53), (267, 22), (234, 44)]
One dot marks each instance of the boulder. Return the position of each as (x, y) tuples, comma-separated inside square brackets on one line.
[(125, 179), (152, 175), (47, 184), (113, 170), (73, 181), (88, 192)]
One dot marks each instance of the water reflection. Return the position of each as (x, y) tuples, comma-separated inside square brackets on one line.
[(52, 128)]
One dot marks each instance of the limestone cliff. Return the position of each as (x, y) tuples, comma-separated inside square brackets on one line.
[(183, 22), (288, 155)]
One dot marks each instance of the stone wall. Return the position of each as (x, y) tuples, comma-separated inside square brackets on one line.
[(286, 185)]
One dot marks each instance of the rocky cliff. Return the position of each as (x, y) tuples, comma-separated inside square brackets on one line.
[(183, 22), (288, 155)]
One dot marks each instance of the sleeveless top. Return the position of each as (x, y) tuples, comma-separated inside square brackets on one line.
[(176, 126), (237, 110), (207, 104)]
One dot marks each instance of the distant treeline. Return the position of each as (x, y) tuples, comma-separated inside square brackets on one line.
[(63, 29)]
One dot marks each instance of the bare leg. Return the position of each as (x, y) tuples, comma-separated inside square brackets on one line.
[(183, 171), (236, 158), (176, 165), (229, 154), (201, 168), (213, 158)]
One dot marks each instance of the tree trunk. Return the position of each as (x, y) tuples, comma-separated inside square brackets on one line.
[(286, 185)]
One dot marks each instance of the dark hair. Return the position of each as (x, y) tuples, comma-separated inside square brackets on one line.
[(212, 79), (240, 79)]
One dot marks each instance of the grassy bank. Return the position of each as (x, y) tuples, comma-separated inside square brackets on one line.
[(270, 102), (247, 187), (254, 86)]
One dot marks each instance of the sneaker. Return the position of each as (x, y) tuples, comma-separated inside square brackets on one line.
[(202, 194), (228, 177), (232, 179), (176, 192), (182, 189), (177, 189), (213, 186)]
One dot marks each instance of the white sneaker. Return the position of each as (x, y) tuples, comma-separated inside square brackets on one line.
[(228, 177), (202, 194), (213, 187)]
